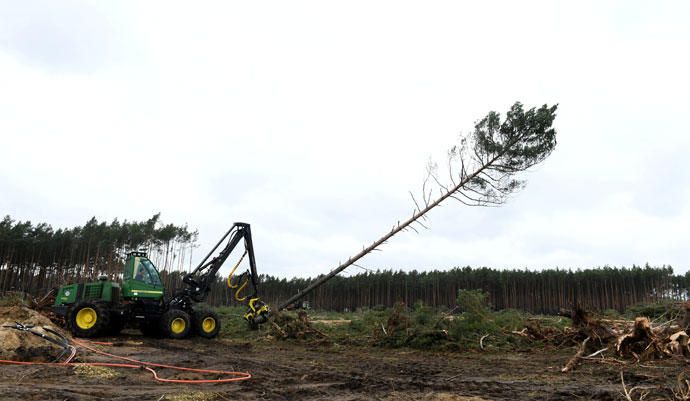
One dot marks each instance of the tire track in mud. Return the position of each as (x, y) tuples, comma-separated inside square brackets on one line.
[(376, 376), (298, 371)]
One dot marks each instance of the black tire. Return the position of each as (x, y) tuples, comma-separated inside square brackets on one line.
[(176, 324), (206, 323), (88, 319)]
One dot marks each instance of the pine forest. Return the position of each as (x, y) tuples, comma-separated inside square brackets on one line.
[(34, 258)]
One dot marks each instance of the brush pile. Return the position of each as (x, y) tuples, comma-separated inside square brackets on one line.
[(285, 326), (626, 341)]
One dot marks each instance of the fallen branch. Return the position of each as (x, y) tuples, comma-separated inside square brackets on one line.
[(682, 390), (279, 329), (597, 353), (481, 341), (628, 393), (521, 333), (447, 315), (573, 361), (319, 332), (605, 361)]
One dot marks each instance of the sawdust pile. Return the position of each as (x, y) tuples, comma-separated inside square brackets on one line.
[(23, 346)]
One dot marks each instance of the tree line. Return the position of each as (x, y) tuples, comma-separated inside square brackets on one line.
[(35, 258), (545, 291)]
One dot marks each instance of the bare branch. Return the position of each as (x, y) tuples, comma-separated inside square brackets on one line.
[(411, 227), (415, 201), (463, 202), (421, 224), (439, 183), (488, 194), (488, 201), (477, 203), (362, 267)]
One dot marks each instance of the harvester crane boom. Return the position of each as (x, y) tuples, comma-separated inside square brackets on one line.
[(200, 279)]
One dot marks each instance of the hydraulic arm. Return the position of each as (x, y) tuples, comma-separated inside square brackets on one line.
[(200, 279)]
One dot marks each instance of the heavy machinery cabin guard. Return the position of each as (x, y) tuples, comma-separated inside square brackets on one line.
[(106, 307)]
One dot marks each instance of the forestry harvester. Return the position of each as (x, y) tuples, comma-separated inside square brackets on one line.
[(140, 300)]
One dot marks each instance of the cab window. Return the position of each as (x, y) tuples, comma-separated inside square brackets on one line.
[(155, 279), (145, 272)]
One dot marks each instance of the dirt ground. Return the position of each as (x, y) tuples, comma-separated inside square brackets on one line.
[(299, 371)]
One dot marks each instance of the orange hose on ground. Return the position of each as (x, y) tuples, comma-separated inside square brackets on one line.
[(136, 364), (101, 342)]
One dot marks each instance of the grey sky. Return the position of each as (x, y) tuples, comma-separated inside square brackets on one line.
[(313, 120)]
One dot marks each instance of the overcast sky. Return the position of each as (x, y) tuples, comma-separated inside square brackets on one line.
[(313, 120)]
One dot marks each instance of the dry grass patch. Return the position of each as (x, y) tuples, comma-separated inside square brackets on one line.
[(194, 396), (98, 372)]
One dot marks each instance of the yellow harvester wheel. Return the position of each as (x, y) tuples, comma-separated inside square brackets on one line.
[(206, 323), (86, 318), (178, 325), (175, 323)]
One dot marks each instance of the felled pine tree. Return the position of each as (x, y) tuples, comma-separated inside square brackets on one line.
[(482, 170)]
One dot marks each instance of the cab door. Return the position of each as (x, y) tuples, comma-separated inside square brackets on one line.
[(142, 280)]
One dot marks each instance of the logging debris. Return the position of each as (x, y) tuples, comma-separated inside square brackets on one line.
[(630, 341), (285, 326)]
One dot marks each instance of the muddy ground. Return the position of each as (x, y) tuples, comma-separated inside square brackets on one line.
[(300, 371)]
